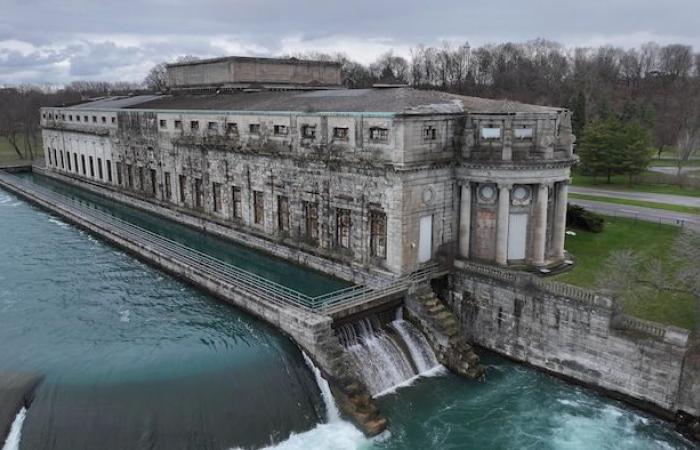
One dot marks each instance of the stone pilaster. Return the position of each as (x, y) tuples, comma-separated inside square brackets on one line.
[(465, 205), (539, 235), (559, 225), (502, 225)]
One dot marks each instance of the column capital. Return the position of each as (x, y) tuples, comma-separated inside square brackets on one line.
[(502, 186)]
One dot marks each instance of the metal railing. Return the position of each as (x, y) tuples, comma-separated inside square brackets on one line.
[(216, 270)]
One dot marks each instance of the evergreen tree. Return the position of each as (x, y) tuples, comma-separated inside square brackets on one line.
[(578, 117)]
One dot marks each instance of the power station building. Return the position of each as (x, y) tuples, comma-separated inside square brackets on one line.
[(379, 181)]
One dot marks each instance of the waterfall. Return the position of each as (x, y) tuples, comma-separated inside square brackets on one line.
[(12, 441), (332, 413), (386, 357)]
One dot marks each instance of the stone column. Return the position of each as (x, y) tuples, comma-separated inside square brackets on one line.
[(559, 225), (465, 208), (502, 225), (539, 235)]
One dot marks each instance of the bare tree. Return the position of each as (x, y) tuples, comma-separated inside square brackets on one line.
[(157, 78), (687, 147)]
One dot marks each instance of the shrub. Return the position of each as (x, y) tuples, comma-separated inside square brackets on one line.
[(582, 219)]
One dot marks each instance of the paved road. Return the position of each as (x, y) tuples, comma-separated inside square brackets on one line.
[(644, 196), (691, 221), (673, 170)]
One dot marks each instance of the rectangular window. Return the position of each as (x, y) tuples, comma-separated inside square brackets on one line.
[(75, 160), (104, 119), (178, 124), (50, 156), (183, 189), (194, 125), (154, 183), (342, 227), (99, 168), (70, 169), (311, 221), (213, 126), (198, 194), (109, 171), (283, 213), (491, 133), (429, 133), (129, 177), (281, 130), (308, 131), (523, 134), (94, 119), (258, 208), (216, 194), (236, 195), (63, 165), (377, 134), (142, 184), (114, 120), (231, 128), (63, 117), (254, 128), (77, 118), (82, 163), (163, 123), (340, 133), (70, 117), (118, 166), (55, 157), (168, 187), (86, 119), (377, 237)]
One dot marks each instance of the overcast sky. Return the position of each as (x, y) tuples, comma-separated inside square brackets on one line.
[(57, 41)]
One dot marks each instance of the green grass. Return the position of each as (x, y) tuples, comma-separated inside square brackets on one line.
[(669, 162), (641, 203), (8, 154), (621, 183), (650, 241)]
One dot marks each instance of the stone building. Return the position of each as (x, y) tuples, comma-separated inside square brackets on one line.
[(380, 180)]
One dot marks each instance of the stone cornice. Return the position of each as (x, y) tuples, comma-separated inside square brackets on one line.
[(519, 165)]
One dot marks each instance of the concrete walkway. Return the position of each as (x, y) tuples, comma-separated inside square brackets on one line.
[(668, 199), (691, 221)]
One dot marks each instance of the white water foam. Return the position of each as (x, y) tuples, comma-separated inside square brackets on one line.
[(55, 221), (12, 441), (332, 413)]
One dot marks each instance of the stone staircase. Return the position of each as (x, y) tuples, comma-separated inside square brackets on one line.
[(442, 328)]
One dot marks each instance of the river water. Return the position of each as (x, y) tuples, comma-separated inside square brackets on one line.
[(133, 358)]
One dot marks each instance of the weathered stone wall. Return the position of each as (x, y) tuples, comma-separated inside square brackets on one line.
[(571, 332)]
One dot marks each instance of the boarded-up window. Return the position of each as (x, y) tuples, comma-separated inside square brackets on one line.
[(216, 194), (342, 227), (283, 213), (259, 208), (183, 189), (168, 187), (311, 221), (377, 237), (198, 194), (154, 184), (236, 195)]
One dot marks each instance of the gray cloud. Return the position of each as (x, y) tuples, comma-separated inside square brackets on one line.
[(62, 40)]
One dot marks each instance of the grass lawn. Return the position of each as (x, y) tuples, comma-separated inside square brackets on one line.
[(669, 162), (650, 241), (642, 203), (621, 183), (8, 154)]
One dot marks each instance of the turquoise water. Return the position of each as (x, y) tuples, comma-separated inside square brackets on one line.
[(136, 359)]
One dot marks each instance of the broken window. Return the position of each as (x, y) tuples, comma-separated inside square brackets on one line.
[(491, 133), (254, 128), (82, 161), (118, 166), (231, 128), (183, 189), (178, 124), (340, 133), (236, 196), (258, 208), (154, 184), (281, 130), (283, 213), (308, 131), (429, 133), (168, 186), (311, 221), (377, 134), (194, 125), (342, 228), (77, 118), (114, 119), (523, 134), (109, 170), (377, 237), (86, 119), (213, 126), (198, 194), (70, 117), (99, 168), (216, 194), (163, 123)]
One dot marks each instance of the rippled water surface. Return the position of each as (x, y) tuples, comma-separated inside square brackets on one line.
[(135, 359)]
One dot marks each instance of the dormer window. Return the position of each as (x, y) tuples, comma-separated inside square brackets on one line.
[(377, 134), (523, 134), (308, 131), (429, 133), (491, 133)]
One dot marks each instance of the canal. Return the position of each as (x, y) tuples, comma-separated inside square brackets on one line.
[(132, 358)]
